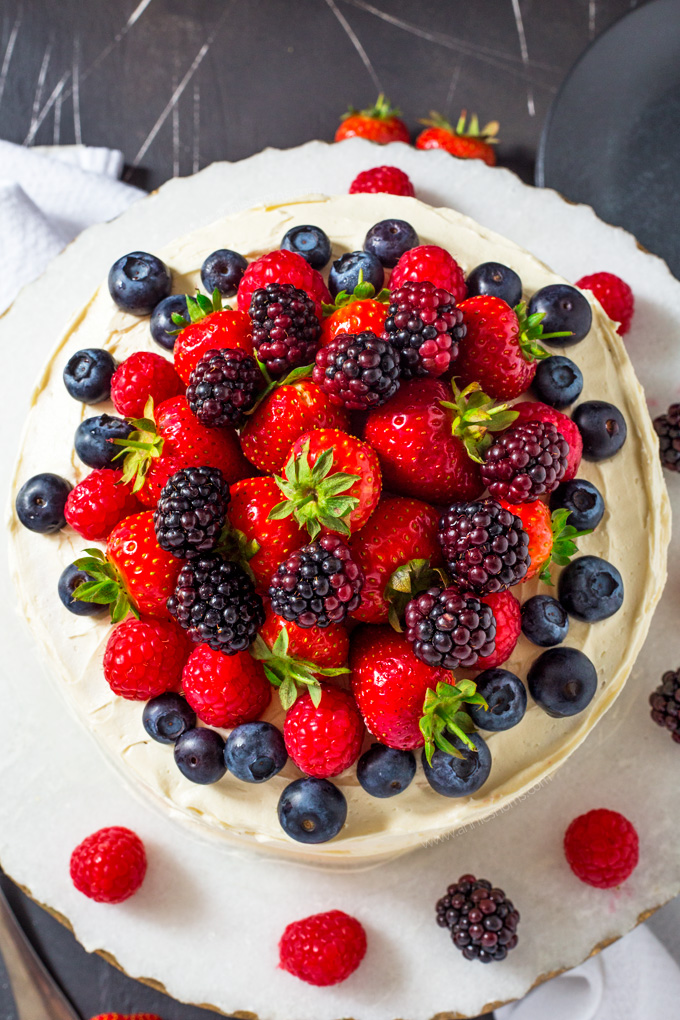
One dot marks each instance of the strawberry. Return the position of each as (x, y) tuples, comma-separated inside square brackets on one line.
[(324, 646), (143, 375), (261, 542), (429, 262), (210, 328), (324, 738), (534, 410), (388, 180), (471, 142), (357, 312), (380, 123), (551, 537), (506, 611), (95, 505), (614, 295), (225, 690), (283, 267)]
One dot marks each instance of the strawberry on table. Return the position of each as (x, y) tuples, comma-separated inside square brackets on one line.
[(464, 141), (283, 266), (262, 543), (323, 735), (534, 410), (211, 328), (432, 264), (143, 375), (380, 123)]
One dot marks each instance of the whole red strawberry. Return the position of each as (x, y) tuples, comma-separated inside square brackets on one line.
[(263, 543), (506, 610), (389, 180), (325, 738), (225, 690), (534, 410), (614, 295), (147, 573), (379, 123), (126, 1016), (359, 312), (323, 949), (109, 866), (551, 537), (283, 267), (465, 142), (95, 505), (211, 328), (432, 263), (143, 375), (144, 658), (326, 647), (602, 848)]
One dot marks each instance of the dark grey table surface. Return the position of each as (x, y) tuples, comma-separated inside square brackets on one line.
[(178, 84)]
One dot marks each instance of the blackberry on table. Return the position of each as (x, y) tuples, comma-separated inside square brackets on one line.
[(667, 428), (286, 329), (190, 512), (485, 547), (526, 462), (450, 628), (317, 585), (665, 703), (223, 387), (357, 370), (482, 920), (425, 327)]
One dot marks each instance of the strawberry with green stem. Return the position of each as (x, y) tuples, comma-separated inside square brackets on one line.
[(357, 312), (259, 543), (551, 538), (379, 123), (292, 675), (466, 141), (210, 327)]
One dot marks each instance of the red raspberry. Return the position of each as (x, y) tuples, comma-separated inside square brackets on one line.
[(144, 658), (323, 741), (109, 866), (225, 690), (389, 180), (602, 848), (283, 267), (432, 263), (139, 377), (323, 949), (96, 505), (534, 410), (506, 610), (614, 295)]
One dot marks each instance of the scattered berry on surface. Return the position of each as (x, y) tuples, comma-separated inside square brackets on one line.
[(324, 739), (558, 381), (481, 919), (96, 504), (506, 610), (312, 810), (665, 703), (357, 371), (602, 848), (450, 628), (190, 513), (583, 501), (565, 309), (590, 589), (199, 755), (506, 696), (385, 771), (614, 295), (144, 658), (138, 281), (323, 949), (545, 621), (286, 327), (110, 865), (40, 503), (389, 239), (562, 681), (603, 429), (496, 280), (225, 690), (526, 462), (70, 579), (162, 325), (87, 375), (485, 547), (223, 270), (255, 752), (379, 123), (389, 180), (94, 440), (353, 268), (453, 776), (143, 375), (167, 716), (317, 585), (667, 428), (283, 267), (425, 327), (432, 263), (310, 242)]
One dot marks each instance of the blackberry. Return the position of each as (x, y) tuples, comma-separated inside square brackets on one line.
[(286, 329), (357, 370), (526, 462), (667, 428), (450, 628), (216, 603), (317, 585), (190, 512), (425, 327), (665, 702), (485, 546), (482, 920), (223, 387)]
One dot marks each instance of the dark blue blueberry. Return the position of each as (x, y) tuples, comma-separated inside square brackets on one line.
[(544, 621), (87, 375), (602, 427), (562, 681), (40, 503), (312, 810), (310, 242), (93, 440), (223, 269), (71, 578), (558, 381), (167, 717), (255, 752), (344, 274), (497, 280), (199, 755), (506, 697), (565, 308), (162, 327), (384, 771), (590, 589), (459, 777), (138, 281), (582, 499), (389, 239)]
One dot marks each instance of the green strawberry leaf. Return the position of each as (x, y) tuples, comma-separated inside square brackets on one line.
[(291, 675), (197, 309), (564, 539), (106, 586), (314, 494), (444, 715), (475, 418), (363, 291), (531, 333), (140, 448), (406, 582)]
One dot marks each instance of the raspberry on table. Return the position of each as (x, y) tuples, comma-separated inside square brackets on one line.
[(109, 866), (286, 328), (190, 513), (323, 949), (527, 461), (665, 703), (357, 370), (425, 327), (143, 375), (614, 295), (317, 585), (450, 628), (325, 739), (96, 504), (667, 428), (389, 180), (485, 547), (482, 920), (144, 658), (432, 263), (223, 387), (602, 848)]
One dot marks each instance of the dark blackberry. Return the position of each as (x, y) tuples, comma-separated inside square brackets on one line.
[(482, 920), (357, 370), (450, 628), (317, 585), (425, 327), (485, 546), (223, 387), (286, 329), (190, 512), (216, 603), (667, 428), (665, 702), (526, 462)]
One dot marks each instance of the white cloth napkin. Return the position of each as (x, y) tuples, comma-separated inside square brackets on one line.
[(47, 196)]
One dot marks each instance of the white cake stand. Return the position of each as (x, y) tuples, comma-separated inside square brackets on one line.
[(206, 923)]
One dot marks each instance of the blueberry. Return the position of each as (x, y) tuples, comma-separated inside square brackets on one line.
[(385, 772), (562, 681), (344, 274), (161, 325), (506, 697), (558, 381), (87, 375), (389, 239), (310, 242), (582, 499), (602, 427), (590, 589), (93, 440), (565, 308), (40, 503), (459, 777), (138, 281), (255, 752), (544, 621), (497, 280), (199, 755), (167, 717), (71, 578), (312, 810), (223, 269)]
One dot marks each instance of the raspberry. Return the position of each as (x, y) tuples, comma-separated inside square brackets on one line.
[(450, 628), (526, 462), (191, 511), (224, 387), (325, 739), (286, 327), (534, 410), (482, 920), (283, 267), (667, 428), (425, 326), (144, 658), (389, 180), (665, 702), (225, 690), (139, 377), (357, 370), (109, 866), (96, 505), (614, 295), (430, 262), (317, 585), (508, 616), (602, 848), (485, 546), (323, 949)]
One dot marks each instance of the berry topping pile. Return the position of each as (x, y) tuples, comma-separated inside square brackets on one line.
[(425, 326)]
